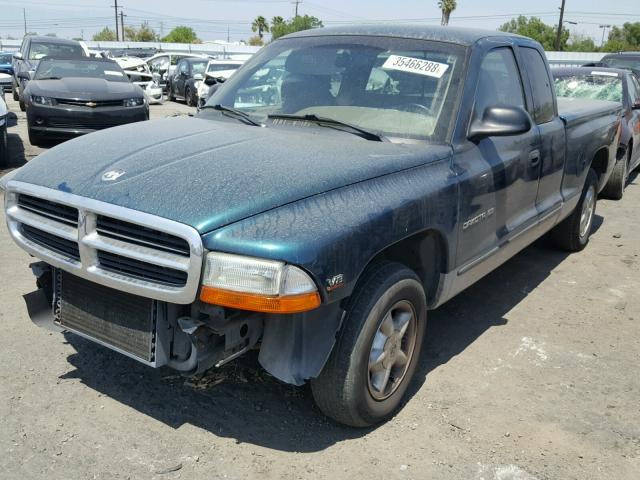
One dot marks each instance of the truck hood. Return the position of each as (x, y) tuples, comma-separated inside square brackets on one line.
[(210, 173)]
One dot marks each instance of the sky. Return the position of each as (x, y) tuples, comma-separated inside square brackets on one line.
[(215, 19)]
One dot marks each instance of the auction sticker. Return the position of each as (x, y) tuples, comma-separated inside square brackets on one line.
[(604, 74), (415, 65), (113, 72)]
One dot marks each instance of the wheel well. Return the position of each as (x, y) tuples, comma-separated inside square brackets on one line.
[(425, 253), (600, 162)]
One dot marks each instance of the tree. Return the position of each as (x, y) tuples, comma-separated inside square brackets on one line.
[(260, 25), (255, 41), (182, 34), (535, 28), (581, 43), (296, 24), (143, 34), (276, 22), (105, 35), (447, 6), (625, 38)]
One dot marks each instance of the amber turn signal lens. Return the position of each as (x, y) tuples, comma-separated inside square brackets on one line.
[(260, 303)]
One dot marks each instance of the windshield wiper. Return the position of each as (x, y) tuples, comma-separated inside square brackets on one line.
[(332, 123), (49, 78), (234, 112)]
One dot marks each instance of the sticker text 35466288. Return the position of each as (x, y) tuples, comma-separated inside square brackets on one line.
[(415, 65)]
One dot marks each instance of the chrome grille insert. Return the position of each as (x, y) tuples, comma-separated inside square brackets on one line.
[(114, 246)]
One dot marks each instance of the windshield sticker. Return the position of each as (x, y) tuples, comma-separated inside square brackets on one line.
[(113, 72), (415, 65), (605, 74)]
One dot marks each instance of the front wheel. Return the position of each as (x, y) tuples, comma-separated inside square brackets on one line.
[(188, 99), (14, 91), (572, 234), (35, 138), (375, 357), (4, 148)]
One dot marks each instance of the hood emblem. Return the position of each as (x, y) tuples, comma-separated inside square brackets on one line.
[(112, 175), (91, 104)]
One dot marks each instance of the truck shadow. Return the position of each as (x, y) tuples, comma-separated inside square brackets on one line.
[(242, 402)]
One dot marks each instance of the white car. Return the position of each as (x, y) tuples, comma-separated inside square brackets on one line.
[(218, 71), (139, 73), (4, 154), (163, 65)]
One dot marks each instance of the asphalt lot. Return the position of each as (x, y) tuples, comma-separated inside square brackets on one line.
[(532, 373)]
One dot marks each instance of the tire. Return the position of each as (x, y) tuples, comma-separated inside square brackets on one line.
[(4, 146), (23, 107), (614, 189), (35, 138), (351, 388), (170, 94), (14, 91), (187, 97), (572, 234)]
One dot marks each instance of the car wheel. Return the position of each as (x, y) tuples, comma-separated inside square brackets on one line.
[(187, 97), (14, 91), (614, 189), (572, 234), (23, 107), (375, 356), (170, 94), (4, 146), (35, 138)]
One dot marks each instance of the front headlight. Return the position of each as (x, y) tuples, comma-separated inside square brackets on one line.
[(40, 100), (134, 102), (257, 285)]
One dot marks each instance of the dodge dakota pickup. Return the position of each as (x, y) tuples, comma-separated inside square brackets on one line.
[(318, 218)]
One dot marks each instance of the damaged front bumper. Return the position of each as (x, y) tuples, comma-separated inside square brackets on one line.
[(189, 338)]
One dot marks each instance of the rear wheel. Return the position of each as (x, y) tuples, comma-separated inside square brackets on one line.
[(375, 357), (170, 94), (614, 189), (572, 234), (187, 97), (14, 91), (23, 107)]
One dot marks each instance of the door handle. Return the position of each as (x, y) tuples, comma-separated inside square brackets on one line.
[(534, 158)]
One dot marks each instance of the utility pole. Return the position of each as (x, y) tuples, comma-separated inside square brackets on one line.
[(227, 33), (115, 7), (161, 29), (604, 29), (297, 2), (122, 15), (560, 23), (24, 16)]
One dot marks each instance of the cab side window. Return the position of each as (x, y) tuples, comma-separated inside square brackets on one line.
[(499, 82), (541, 85), (183, 67)]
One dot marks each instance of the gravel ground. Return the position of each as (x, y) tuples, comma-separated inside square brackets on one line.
[(532, 373)]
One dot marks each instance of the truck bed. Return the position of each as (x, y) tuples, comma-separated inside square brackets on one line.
[(578, 110)]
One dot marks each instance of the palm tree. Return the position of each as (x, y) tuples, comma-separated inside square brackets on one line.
[(260, 25), (275, 21), (447, 6)]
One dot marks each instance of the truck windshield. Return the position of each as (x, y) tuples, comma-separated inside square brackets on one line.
[(605, 86), (398, 88)]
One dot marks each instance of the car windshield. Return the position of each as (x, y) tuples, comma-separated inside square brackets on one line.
[(398, 88), (54, 68), (221, 67), (594, 86), (5, 58), (199, 67), (621, 62), (40, 50)]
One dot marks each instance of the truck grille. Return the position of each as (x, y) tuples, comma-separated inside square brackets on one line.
[(114, 246)]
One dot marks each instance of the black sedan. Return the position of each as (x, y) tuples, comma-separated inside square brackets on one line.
[(185, 80), (615, 85), (70, 97)]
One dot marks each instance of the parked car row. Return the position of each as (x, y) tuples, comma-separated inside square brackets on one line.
[(4, 150), (335, 189)]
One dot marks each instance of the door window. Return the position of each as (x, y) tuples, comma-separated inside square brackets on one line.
[(541, 85), (183, 67), (499, 82)]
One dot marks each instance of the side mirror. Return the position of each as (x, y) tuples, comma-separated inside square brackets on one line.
[(18, 56), (500, 121), (24, 75)]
